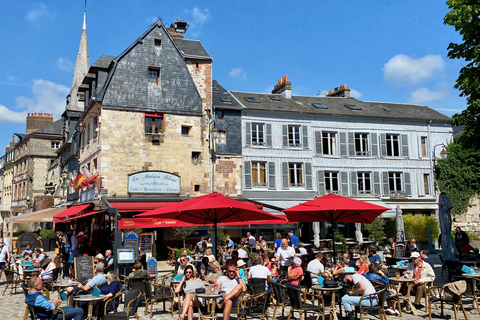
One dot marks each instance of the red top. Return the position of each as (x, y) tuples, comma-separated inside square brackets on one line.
[(363, 268), (299, 272)]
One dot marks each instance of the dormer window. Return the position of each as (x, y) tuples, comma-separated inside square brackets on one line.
[(215, 88), (274, 98), (353, 107), (319, 106), (251, 99), (226, 100)]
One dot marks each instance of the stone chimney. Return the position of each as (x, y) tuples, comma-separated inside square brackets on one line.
[(284, 87), (178, 28), (37, 121), (343, 92)]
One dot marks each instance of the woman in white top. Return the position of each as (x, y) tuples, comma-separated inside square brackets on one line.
[(189, 284), (47, 274)]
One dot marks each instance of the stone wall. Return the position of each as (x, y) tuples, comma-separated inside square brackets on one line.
[(469, 221)]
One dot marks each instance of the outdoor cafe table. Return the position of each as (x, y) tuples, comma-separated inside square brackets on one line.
[(406, 298), (468, 262), (470, 279), (210, 301), (332, 306), (28, 274), (90, 299), (398, 269), (61, 286)]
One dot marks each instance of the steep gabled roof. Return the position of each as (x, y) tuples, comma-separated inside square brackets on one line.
[(217, 96), (52, 129), (103, 62), (192, 49)]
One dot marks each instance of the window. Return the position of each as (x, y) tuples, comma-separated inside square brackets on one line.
[(215, 88), (185, 130), (197, 188), (426, 184), (319, 106), (329, 143), (153, 125), (353, 107), (259, 178), (364, 182), (361, 144), (294, 136), (157, 42), (423, 147), (251, 99), (331, 182), (395, 181), (274, 98), (195, 157), (55, 144), (222, 137), (226, 100), (295, 177), (153, 76), (257, 134), (393, 145), (219, 113)]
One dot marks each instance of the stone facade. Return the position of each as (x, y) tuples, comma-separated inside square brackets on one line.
[(470, 221)]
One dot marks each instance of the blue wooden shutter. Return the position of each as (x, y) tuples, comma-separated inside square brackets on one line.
[(269, 134), (248, 174), (248, 133)]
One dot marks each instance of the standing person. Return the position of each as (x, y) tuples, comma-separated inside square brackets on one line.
[(5, 257), (422, 272), (352, 298), (108, 259), (68, 242), (278, 241), (316, 267), (36, 299), (74, 241), (293, 239), (461, 238), (58, 241), (230, 243), (233, 286), (252, 244), (285, 255)]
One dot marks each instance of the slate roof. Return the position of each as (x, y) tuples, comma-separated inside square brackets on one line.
[(336, 106), (54, 128), (103, 62), (222, 93), (192, 48)]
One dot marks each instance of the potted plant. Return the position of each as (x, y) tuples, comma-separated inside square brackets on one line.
[(48, 237)]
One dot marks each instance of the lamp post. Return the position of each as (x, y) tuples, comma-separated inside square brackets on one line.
[(443, 155), (213, 156)]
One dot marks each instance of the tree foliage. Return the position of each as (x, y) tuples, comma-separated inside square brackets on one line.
[(416, 227), (376, 229), (184, 232), (459, 176), (464, 16)]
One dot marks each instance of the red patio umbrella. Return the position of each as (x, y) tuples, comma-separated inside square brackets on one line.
[(210, 209), (334, 209)]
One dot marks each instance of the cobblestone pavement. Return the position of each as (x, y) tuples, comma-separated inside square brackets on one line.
[(13, 306)]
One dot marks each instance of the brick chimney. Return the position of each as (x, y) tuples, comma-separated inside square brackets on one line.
[(343, 92), (284, 87), (178, 28), (37, 121)]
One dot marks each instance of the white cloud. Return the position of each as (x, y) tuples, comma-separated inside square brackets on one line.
[(355, 94), (64, 64), (238, 73), (37, 12), (424, 95), (405, 68), (198, 18), (47, 97)]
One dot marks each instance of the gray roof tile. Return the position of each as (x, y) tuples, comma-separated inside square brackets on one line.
[(103, 62), (217, 95), (192, 48)]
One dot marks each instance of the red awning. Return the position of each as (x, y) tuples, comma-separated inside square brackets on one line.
[(70, 212), (146, 223), (83, 216), (138, 206)]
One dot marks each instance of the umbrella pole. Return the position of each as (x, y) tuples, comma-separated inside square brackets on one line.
[(214, 240), (333, 236)]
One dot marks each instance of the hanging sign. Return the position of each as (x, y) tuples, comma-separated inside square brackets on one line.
[(153, 182), (152, 267), (131, 241)]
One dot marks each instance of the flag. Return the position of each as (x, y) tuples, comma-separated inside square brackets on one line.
[(86, 173), (66, 182), (73, 178), (80, 178)]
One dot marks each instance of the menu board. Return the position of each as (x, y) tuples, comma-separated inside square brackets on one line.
[(130, 241), (28, 238), (146, 242), (84, 267), (152, 267)]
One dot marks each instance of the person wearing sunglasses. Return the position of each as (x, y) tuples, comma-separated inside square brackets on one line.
[(189, 284), (422, 272), (183, 264), (234, 286)]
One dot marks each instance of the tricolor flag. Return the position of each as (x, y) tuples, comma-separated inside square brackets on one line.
[(80, 178)]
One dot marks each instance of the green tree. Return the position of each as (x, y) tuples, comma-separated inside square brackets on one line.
[(376, 229), (464, 16), (184, 232)]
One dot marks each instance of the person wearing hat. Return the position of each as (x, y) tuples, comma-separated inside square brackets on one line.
[(295, 273), (422, 272), (241, 268), (293, 239), (352, 298)]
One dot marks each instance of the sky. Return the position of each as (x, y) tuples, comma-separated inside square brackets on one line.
[(389, 51)]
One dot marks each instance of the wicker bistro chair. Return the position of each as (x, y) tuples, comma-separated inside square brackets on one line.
[(132, 298), (13, 279), (301, 306), (379, 296), (444, 295), (255, 306), (281, 298), (113, 302), (161, 293), (257, 285), (52, 313)]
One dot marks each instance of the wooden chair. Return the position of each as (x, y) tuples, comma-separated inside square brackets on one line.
[(13, 279), (132, 300), (436, 294)]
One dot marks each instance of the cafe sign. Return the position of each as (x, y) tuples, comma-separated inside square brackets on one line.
[(153, 182)]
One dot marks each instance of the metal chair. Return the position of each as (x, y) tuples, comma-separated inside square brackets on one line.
[(444, 295), (161, 293), (303, 307), (13, 279), (379, 296), (281, 298), (257, 285), (33, 315), (255, 306), (132, 299)]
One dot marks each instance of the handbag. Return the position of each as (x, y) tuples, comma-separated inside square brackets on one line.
[(327, 283)]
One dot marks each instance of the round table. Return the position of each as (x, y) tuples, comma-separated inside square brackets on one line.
[(63, 286), (398, 269), (332, 307), (210, 300), (90, 299), (406, 298), (27, 274)]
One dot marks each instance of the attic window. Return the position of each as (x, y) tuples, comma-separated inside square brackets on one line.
[(353, 107), (251, 99), (157, 42), (215, 88), (386, 109), (274, 98), (226, 100), (319, 106)]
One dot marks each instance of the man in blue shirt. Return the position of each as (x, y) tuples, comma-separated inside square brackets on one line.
[(374, 257), (43, 306), (293, 239), (98, 280), (230, 243), (425, 257)]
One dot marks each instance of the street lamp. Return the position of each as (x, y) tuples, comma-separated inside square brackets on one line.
[(213, 155), (443, 153)]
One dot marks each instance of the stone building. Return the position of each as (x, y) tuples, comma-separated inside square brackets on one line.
[(6, 170)]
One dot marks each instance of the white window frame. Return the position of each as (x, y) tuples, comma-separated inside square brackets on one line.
[(363, 144), (390, 140), (257, 134), (362, 183), (395, 176), (426, 179), (330, 177), (423, 142), (222, 137), (258, 165), (329, 143), (297, 169), (292, 131)]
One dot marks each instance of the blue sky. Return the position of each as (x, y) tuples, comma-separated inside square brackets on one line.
[(391, 51)]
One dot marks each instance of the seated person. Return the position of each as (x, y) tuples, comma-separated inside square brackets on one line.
[(138, 271), (47, 274), (339, 269), (424, 254), (316, 267), (109, 290), (205, 268), (241, 270), (28, 250), (352, 299), (295, 273), (352, 263), (373, 257), (375, 274), (100, 258), (181, 267), (259, 271), (216, 273), (362, 264), (422, 272), (413, 245), (41, 305), (185, 254), (98, 280), (242, 254), (234, 286), (38, 259), (209, 254), (189, 284)]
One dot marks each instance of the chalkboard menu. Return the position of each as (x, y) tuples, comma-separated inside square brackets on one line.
[(152, 267), (28, 238), (131, 241), (146, 242), (84, 267)]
